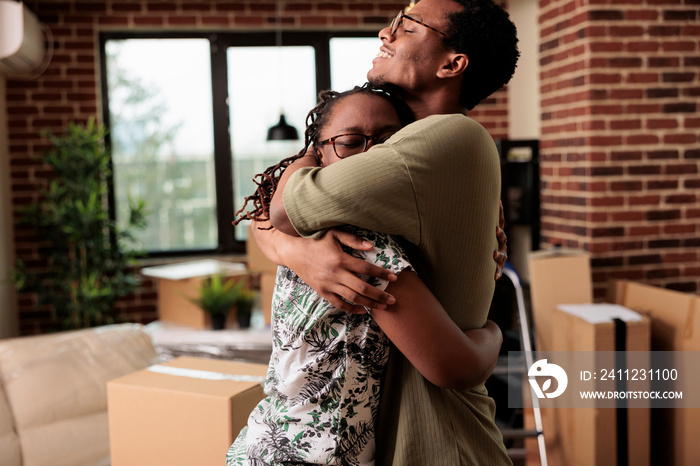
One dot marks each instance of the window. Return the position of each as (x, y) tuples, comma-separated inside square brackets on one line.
[(188, 116), (160, 114), (294, 96), (351, 60)]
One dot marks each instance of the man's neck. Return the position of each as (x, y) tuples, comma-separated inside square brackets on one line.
[(436, 103), (421, 111)]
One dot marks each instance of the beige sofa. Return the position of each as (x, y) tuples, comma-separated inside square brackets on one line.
[(53, 398)]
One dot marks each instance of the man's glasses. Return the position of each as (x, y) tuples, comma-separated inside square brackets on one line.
[(399, 19), (349, 144)]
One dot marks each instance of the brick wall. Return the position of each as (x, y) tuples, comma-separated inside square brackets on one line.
[(620, 145), (69, 89)]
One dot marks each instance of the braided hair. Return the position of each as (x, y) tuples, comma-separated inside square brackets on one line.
[(316, 120)]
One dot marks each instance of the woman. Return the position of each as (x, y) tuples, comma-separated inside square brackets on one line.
[(323, 383)]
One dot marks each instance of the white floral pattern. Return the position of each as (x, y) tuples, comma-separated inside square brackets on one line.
[(323, 381)]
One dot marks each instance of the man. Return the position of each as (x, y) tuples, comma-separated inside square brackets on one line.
[(435, 183)]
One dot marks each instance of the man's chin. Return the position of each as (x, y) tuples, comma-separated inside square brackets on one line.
[(376, 79)]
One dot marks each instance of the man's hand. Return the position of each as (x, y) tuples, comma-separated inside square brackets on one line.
[(500, 256), (329, 270)]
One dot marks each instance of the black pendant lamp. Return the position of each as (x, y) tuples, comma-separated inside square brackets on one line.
[(282, 131)]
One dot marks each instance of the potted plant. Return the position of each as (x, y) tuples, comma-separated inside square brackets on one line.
[(244, 307), (89, 260), (217, 296)]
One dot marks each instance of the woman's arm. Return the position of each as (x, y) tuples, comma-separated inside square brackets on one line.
[(421, 329)]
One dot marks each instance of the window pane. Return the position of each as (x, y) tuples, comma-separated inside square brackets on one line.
[(162, 138), (285, 81), (351, 59)]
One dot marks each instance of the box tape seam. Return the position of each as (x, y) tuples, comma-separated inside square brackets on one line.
[(204, 375)]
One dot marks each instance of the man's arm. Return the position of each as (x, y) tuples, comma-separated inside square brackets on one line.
[(279, 218), (278, 215), (348, 192), (394, 215)]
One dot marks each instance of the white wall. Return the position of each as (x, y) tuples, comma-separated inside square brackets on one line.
[(524, 88), (8, 297)]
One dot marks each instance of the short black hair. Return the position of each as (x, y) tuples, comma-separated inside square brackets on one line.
[(484, 32)]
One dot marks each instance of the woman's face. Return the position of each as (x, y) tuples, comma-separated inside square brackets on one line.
[(363, 114)]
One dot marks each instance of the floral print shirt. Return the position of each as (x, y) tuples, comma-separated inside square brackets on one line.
[(323, 381)]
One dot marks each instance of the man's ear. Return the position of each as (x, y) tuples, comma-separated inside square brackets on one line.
[(454, 66)]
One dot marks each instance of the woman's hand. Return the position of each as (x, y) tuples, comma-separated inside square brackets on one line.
[(500, 256)]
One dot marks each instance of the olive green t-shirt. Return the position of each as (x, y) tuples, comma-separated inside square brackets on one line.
[(436, 183)]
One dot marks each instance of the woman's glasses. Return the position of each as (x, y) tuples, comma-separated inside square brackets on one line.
[(349, 144), (399, 19)]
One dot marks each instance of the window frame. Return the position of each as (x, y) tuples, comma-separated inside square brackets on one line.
[(219, 42)]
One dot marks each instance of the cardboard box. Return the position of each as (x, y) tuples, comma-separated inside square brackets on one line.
[(590, 436), (267, 270), (257, 262), (564, 277), (675, 326), (267, 286), (176, 281), (556, 277), (675, 315), (183, 412)]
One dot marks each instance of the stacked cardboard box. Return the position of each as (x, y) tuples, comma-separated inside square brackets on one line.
[(547, 271), (675, 326), (582, 436), (557, 277), (266, 271), (592, 436), (177, 282), (183, 412)]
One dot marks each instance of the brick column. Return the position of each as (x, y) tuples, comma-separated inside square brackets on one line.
[(620, 137)]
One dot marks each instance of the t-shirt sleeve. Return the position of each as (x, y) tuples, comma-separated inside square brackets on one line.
[(372, 190)]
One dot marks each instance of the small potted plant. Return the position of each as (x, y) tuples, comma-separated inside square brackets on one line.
[(217, 296), (244, 307)]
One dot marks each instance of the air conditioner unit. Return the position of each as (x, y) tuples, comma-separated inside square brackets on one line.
[(22, 50)]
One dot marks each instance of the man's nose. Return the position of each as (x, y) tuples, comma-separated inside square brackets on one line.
[(385, 34)]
